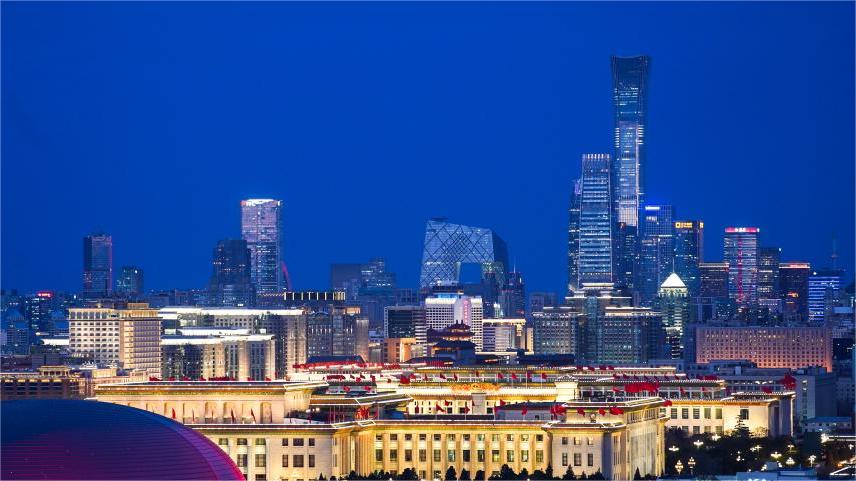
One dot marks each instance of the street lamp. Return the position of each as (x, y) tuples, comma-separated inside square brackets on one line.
[(776, 455), (698, 443), (811, 459), (674, 448), (755, 448), (716, 437), (790, 462), (679, 466), (691, 464)]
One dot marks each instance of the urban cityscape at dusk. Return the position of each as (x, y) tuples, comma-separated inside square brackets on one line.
[(428, 241)]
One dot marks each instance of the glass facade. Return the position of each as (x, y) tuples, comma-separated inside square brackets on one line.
[(448, 246), (629, 80), (574, 237), (741, 254), (656, 250), (230, 283), (261, 227), (823, 286), (629, 91), (689, 253), (793, 285), (130, 281), (97, 265), (595, 220), (768, 272)]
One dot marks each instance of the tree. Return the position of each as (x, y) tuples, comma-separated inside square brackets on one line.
[(409, 474), (637, 474), (321, 477), (597, 475), (740, 429), (451, 474), (465, 474), (505, 472), (569, 474), (479, 475), (354, 475), (539, 475), (524, 474), (548, 473)]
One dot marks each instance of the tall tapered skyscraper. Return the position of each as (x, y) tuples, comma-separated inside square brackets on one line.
[(629, 91), (261, 227), (97, 265)]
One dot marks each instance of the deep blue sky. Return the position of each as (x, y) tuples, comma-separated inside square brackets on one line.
[(152, 120)]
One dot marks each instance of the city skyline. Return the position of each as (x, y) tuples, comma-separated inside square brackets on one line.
[(534, 226)]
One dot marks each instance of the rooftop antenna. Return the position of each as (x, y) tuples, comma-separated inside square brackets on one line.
[(834, 255)]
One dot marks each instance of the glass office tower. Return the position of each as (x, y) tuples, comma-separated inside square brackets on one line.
[(656, 251), (595, 221), (261, 227), (629, 92), (768, 272), (574, 237), (97, 265), (448, 246), (689, 253), (823, 287), (741, 254)]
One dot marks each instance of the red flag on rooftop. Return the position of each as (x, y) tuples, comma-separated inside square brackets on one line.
[(667, 402), (500, 376), (232, 412), (524, 410), (615, 411), (466, 409), (253, 414), (173, 413), (438, 409), (501, 402), (581, 411)]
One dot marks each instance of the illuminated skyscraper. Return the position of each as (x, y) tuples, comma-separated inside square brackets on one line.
[(768, 272), (714, 279), (689, 253), (656, 251), (595, 221), (793, 285), (97, 265), (449, 246), (629, 92), (823, 286), (673, 306), (261, 227), (574, 237), (741, 253)]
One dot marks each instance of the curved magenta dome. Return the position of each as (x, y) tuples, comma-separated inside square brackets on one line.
[(76, 440)]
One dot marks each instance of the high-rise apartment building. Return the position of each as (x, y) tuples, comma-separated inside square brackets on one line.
[(230, 283), (130, 283), (449, 246), (823, 287), (793, 286), (128, 337), (689, 253), (629, 98), (741, 253), (97, 265), (656, 250), (595, 255), (261, 228)]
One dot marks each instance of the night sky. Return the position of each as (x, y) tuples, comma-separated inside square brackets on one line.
[(151, 121)]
